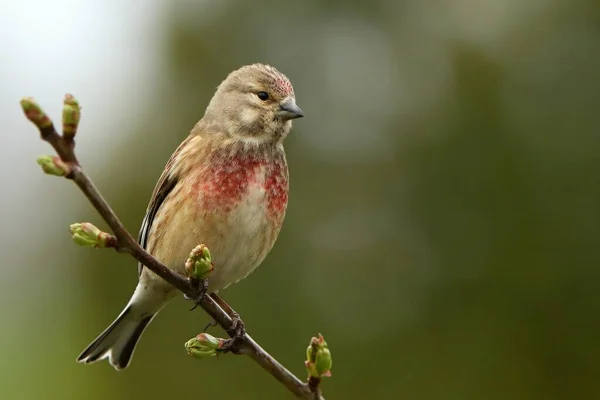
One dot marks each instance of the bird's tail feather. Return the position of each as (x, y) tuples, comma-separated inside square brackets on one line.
[(118, 341)]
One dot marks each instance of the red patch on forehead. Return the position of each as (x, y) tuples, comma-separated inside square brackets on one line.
[(283, 86)]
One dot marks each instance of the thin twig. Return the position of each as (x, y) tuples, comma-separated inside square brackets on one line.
[(127, 244)]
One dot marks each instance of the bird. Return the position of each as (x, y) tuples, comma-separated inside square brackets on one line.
[(226, 186)]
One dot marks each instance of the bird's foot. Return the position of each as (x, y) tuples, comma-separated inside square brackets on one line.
[(202, 287), (237, 331)]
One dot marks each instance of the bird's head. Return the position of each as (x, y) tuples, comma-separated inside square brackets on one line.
[(256, 104)]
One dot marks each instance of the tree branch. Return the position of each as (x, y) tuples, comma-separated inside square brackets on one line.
[(69, 167)]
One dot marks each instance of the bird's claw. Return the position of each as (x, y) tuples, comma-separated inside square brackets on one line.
[(211, 324), (237, 326), (237, 331), (202, 286)]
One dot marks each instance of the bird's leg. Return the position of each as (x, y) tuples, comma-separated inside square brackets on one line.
[(237, 330)]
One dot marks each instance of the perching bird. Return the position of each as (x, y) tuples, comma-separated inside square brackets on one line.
[(225, 186)]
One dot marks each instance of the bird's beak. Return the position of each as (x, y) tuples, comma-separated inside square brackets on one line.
[(289, 110)]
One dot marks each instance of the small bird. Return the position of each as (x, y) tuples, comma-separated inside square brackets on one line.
[(225, 186)]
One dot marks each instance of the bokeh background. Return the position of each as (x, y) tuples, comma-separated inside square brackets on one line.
[(444, 217)]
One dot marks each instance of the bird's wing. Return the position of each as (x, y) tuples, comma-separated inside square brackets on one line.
[(164, 186)]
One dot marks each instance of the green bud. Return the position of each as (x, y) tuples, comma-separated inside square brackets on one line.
[(53, 165), (86, 234), (203, 346), (199, 264), (71, 116), (35, 114), (318, 358), (323, 362), (71, 100)]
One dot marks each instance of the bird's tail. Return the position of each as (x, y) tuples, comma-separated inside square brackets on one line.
[(118, 341)]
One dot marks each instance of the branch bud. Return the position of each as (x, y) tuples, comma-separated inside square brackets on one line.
[(199, 264), (70, 117), (87, 234), (318, 358), (35, 114), (203, 346), (53, 165)]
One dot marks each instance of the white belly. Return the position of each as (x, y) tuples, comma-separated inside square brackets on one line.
[(243, 239)]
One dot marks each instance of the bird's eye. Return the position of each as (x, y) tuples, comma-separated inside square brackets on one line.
[(264, 96)]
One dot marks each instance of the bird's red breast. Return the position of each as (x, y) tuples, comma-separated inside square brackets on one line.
[(231, 176)]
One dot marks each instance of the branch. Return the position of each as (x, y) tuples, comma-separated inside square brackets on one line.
[(67, 165)]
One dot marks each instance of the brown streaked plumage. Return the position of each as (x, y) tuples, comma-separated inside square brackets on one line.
[(226, 186)]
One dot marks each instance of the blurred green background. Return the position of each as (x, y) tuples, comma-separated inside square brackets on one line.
[(444, 217)]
